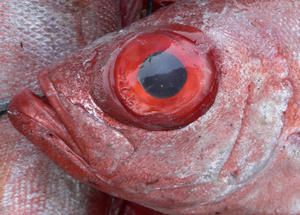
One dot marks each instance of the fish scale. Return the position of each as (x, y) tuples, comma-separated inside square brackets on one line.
[(35, 34)]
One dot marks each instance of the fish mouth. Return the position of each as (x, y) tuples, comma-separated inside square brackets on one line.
[(39, 116)]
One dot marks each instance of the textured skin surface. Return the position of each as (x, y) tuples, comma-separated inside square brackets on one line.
[(130, 11), (34, 34), (30, 183), (242, 156), (37, 33), (40, 187)]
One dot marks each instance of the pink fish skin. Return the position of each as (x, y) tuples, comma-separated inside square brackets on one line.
[(36, 33), (241, 156), (130, 11), (30, 183)]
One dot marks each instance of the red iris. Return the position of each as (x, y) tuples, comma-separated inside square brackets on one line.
[(170, 99)]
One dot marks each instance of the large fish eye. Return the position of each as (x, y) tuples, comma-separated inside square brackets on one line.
[(164, 79)]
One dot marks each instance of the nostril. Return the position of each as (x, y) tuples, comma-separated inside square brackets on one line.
[(50, 135)]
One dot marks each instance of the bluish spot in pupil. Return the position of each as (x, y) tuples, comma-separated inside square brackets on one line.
[(162, 75)]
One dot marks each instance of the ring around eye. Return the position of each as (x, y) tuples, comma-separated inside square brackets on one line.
[(163, 79)]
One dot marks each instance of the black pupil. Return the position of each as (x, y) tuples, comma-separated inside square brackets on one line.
[(162, 75)]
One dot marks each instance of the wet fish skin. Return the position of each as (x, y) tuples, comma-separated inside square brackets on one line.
[(34, 34), (217, 162), (30, 183)]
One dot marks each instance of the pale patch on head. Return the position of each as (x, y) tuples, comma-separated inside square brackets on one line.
[(251, 70), (293, 148), (295, 205), (275, 104), (178, 19), (296, 56)]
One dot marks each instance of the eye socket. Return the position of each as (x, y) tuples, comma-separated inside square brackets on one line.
[(162, 79)]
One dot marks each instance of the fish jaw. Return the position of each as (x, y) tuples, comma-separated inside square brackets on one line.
[(36, 120), (43, 123)]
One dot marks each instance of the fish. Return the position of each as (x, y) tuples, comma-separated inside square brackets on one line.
[(192, 110), (30, 183), (35, 34)]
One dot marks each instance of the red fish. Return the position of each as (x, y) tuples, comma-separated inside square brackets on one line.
[(33, 35), (193, 110)]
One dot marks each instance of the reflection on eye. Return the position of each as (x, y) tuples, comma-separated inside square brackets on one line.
[(164, 78), (162, 75)]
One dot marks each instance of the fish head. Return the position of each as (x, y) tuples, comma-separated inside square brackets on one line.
[(178, 110)]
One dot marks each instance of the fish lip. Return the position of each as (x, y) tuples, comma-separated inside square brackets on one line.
[(40, 110)]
